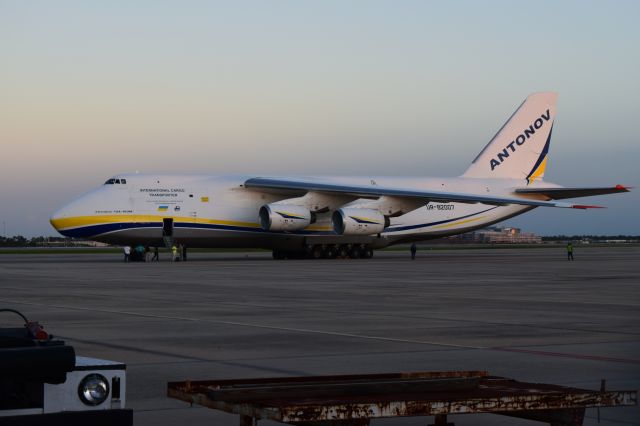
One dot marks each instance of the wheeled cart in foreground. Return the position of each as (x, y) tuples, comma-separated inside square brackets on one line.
[(356, 399)]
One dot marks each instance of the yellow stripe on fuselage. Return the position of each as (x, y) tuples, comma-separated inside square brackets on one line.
[(460, 222), (80, 221)]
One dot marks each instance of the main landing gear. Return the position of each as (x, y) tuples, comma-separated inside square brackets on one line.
[(328, 251)]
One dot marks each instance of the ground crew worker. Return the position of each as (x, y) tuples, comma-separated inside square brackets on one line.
[(569, 251), (174, 253), (414, 249), (155, 255), (139, 253), (127, 253)]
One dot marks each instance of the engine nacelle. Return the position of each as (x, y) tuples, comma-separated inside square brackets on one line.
[(284, 217), (353, 221)]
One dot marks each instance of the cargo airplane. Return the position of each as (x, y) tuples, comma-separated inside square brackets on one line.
[(330, 216)]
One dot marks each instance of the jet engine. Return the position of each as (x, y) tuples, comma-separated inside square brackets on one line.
[(354, 221), (285, 217)]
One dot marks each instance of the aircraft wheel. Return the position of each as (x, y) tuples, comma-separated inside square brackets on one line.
[(355, 252), (278, 255), (343, 251), (330, 252), (316, 252), (367, 253)]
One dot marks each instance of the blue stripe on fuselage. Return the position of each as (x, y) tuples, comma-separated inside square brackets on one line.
[(422, 225), (95, 230)]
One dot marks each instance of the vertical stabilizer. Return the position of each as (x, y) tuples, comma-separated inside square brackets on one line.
[(520, 148)]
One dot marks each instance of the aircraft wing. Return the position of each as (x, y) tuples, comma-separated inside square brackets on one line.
[(279, 185), (561, 193)]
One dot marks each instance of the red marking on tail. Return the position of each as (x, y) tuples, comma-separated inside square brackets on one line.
[(583, 207)]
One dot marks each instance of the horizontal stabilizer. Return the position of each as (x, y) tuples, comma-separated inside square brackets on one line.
[(562, 193)]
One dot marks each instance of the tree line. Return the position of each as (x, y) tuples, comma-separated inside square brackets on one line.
[(20, 241)]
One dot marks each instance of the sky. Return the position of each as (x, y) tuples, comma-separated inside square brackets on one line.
[(92, 89)]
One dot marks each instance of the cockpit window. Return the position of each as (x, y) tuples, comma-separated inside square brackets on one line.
[(116, 181)]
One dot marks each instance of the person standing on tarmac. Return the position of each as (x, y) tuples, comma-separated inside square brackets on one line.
[(414, 249), (569, 251), (155, 255), (127, 253), (174, 253)]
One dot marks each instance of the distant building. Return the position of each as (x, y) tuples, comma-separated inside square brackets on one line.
[(495, 235)]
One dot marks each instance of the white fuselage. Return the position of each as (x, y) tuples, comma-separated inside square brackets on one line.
[(218, 211)]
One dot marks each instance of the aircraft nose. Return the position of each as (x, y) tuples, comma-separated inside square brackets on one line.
[(57, 219), (76, 218)]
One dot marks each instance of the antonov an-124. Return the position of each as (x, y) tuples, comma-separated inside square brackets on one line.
[(330, 216)]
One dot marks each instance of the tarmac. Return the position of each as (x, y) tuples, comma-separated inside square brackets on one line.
[(527, 314)]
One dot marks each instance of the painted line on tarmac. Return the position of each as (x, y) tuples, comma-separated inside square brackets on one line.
[(252, 325), (373, 314), (566, 355), (338, 334)]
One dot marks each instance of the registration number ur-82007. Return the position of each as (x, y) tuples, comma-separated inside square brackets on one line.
[(440, 207)]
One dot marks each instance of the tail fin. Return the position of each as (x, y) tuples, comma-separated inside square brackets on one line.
[(519, 149)]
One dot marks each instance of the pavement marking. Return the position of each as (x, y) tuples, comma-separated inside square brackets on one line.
[(566, 355), (338, 334), (252, 325), (378, 314)]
